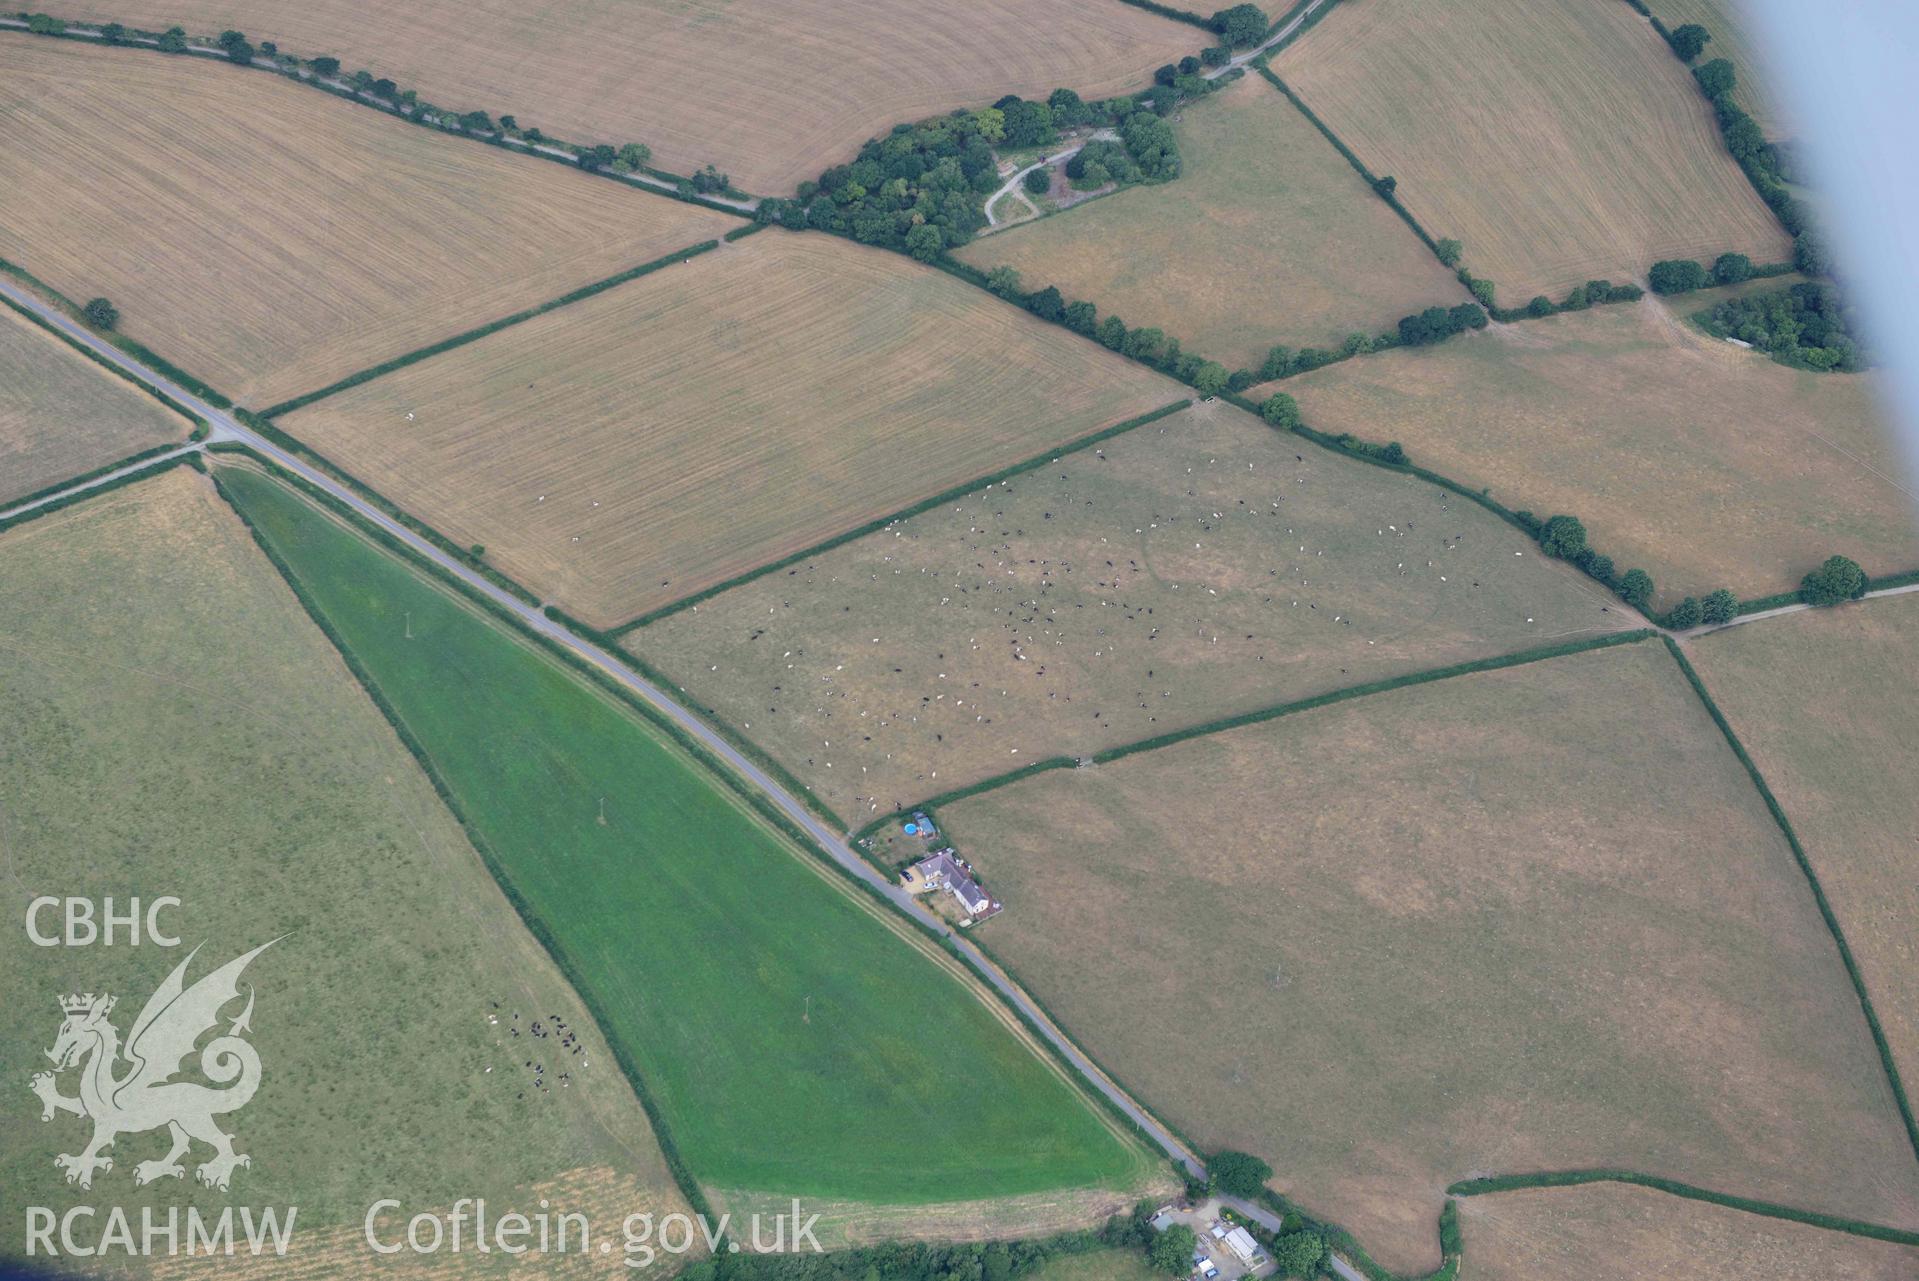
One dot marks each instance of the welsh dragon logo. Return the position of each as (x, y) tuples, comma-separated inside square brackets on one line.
[(144, 1096)]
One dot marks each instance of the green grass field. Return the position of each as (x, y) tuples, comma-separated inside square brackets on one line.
[(175, 724), (1268, 237), (794, 1038)]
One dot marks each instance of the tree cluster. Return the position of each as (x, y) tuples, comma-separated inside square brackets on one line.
[(1805, 325), (1839, 579), (1240, 26), (237, 47), (1436, 324), (921, 189)]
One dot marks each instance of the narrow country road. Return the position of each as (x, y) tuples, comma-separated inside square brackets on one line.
[(1278, 37), (224, 427)]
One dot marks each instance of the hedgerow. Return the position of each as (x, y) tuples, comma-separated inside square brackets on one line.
[(1826, 913), (1768, 1209), (80, 496), (494, 326)]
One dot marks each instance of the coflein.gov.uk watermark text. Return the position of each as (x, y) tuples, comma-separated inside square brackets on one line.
[(469, 1226)]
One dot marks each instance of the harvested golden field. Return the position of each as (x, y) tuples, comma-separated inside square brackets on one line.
[(1735, 37), (1559, 139), (630, 450), (772, 91), (1268, 236), (1190, 569), (62, 415), (1573, 1234), (1705, 465), (272, 239), (1827, 703), (1524, 920), (176, 724)]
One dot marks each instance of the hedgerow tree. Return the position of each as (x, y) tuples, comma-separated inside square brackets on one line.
[(1172, 1251), (101, 314), (1281, 410), (325, 67), (1686, 613), (1243, 24), (1676, 276), (1238, 1173), (1210, 378), (1636, 588), (1719, 607), (1731, 269), (173, 40), (1687, 41), (1563, 536), (1448, 252), (1839, 579), (1717, 78), (1298, 1254)]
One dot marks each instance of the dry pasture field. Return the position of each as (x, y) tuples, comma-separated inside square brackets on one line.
[(1573, 1234), (1523, 920), (772, 91), (1560, 140), (624, 452), (176, 724), (1705, 465), (1268, 236), (1735, 38), (271, 239), (62, 415), (1827, 703), (1189, 569)]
